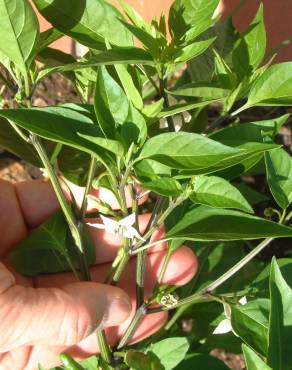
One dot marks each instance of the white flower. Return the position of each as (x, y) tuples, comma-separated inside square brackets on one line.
[(123, 227), (225, 325)]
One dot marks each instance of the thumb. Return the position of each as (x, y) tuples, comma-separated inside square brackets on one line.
[(56, 316)]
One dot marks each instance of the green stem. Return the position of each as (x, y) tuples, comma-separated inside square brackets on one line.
[(140, 313), (90, 177), (104, 347), (163, 86)]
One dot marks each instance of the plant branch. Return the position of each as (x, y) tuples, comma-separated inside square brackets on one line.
[(163, 93)]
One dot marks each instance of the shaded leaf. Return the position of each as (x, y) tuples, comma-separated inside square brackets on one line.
[(252, 360)]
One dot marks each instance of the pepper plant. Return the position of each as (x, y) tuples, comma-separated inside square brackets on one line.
[(144, 124)]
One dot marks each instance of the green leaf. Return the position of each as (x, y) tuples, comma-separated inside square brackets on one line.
[(279, 176), (49, 249), (113, 56), (201, 361), (164, 186), (111, 104), (20, 30), (170, 351), (90, 22), (69, 363), (216, 192), (192, 51), (145, 37), (250, 50), (272, 88), (280, 331), (134, 129), (249, 131), (147, 169), (140, 361), (252, 360), (128, 84), (252, 331), (64, 125), (206, 223), (13, 143), (186, 150), (183, 107), (185, 14), (200, 90), (90, 363), (261, 282)]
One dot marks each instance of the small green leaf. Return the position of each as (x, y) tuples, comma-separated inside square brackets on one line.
[(20, 30), (252, 196), (65, 125), (111, 104), (90, 22), (199, 90), (186, 150), (192, 51), (185, 14), (140, 361), (249, 131), (216, 192), (252, 360), (49, 249), (249, 328), (170, 351), (279, 176), (164, 186), (206, 223), (250, 50), (280, 332), (48, 37), (110, 57), (183, 107), (129, 86), (272, 88)]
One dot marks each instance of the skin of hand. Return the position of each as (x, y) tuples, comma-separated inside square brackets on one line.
[(50, 314)]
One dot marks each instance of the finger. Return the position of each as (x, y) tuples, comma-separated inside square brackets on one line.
[(38, 201), (56, 316), (12, 226), (181, 268)]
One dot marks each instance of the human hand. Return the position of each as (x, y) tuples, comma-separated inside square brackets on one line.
[(42, 317)]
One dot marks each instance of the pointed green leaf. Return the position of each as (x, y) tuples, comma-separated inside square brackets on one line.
[(64, 125), (170, 351), (110, 103), (280, 332), (90, 22), (252, 360), (184, 14), (252, 331), (199, 90), (193, 50), (250, 50), (279, 176), (216, 192), (272, 88), (128, 84), (49, 249), (183, 107), (19, 32), (206, 223), (165, 186), (186, 150), (113, 56)]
